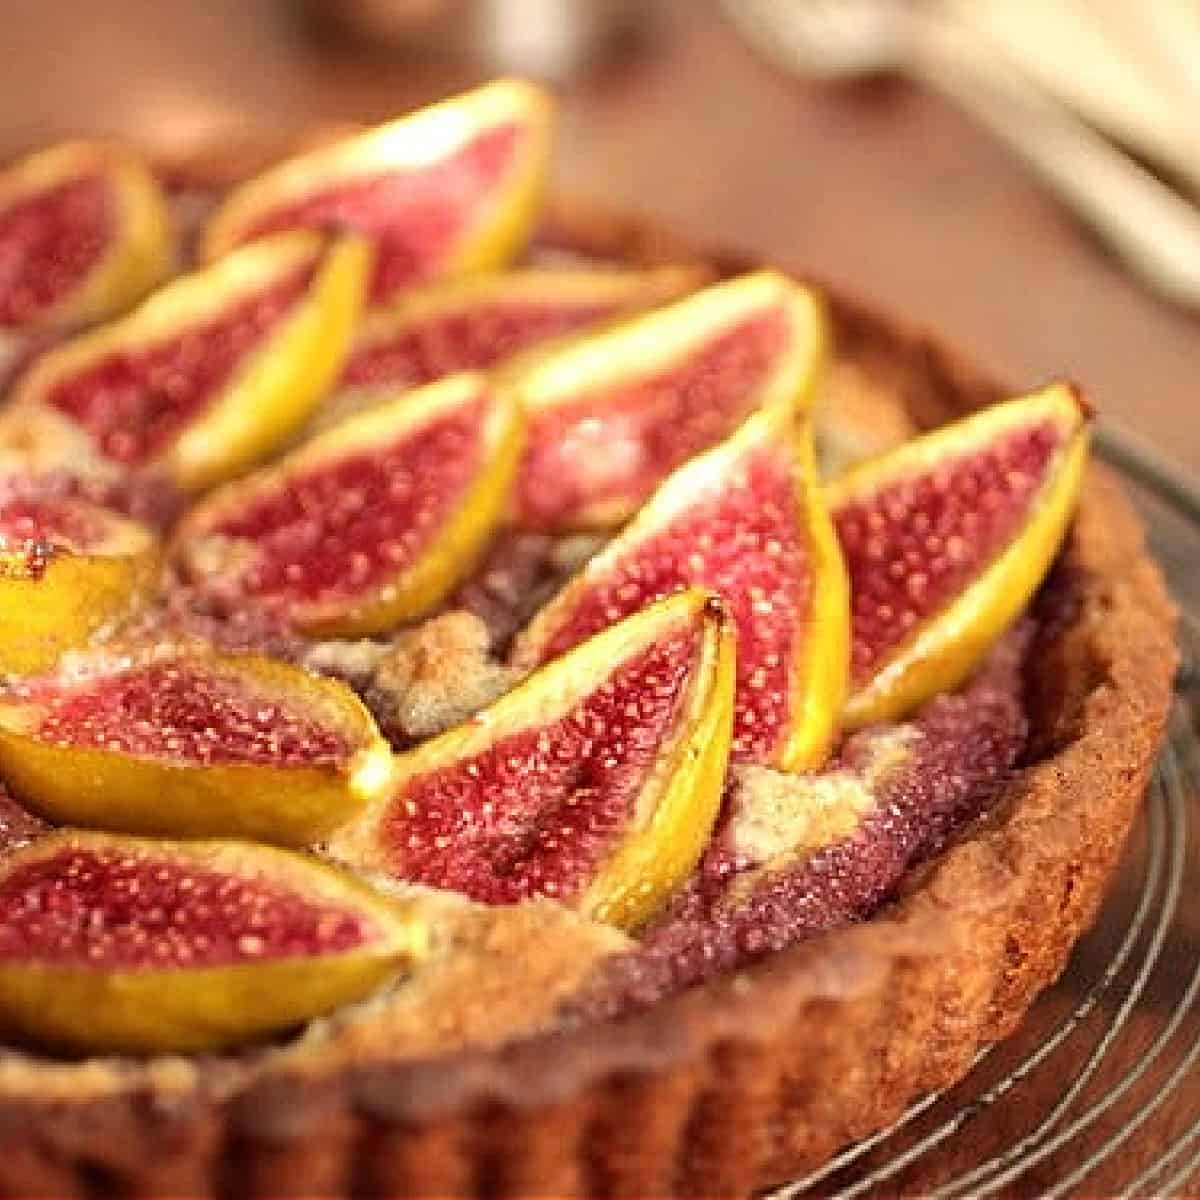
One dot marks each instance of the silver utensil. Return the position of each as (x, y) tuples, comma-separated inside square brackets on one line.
[(1121, 65), (1151, 228)]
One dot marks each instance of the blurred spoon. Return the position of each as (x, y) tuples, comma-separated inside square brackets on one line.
[(1111, 61), (1151, 228)]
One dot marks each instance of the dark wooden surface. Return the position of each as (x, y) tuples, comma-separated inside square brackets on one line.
[(880, 188)]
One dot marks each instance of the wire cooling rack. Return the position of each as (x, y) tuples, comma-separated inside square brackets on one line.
[(1098, 1093)]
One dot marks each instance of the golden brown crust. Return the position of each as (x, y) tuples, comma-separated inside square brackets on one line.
[(756, 1076)]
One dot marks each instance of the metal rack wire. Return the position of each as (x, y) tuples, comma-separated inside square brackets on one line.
[(1098, 1093)]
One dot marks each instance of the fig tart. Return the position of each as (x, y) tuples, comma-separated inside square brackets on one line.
[(499, 701)]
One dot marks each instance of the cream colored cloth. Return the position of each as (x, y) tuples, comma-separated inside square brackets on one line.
[(1130, 67)]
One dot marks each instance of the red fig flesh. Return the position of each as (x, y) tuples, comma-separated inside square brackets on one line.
[(84, 234), (594, 782), (477, 323), (372, 522), (610, 416), (745, 520), (209, 373), (124, 945), (192, 744), (945, 540), (445, 191)]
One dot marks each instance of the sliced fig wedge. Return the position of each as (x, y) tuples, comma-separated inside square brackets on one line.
[(612, 415), (798, 855), (945, 540), (68, 569), (371, 523), (192, 744), (596, 782), (209, 374), (449, 190), (125, 945), (477, 323), (747, 521), (84, 235)]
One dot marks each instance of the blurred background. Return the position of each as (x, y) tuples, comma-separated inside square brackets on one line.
[(1021, 175), (882, 186)]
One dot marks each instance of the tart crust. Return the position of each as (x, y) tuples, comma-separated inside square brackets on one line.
[(752, 1078)]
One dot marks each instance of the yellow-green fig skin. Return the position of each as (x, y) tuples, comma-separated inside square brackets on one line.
[(284, 804), (419, 585), (284, 381), (492, 235), (273, 388), (942, 651), (677, 803), (93, 1008), (74, 599)]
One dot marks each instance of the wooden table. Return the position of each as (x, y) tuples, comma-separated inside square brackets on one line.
[(883, 189)]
